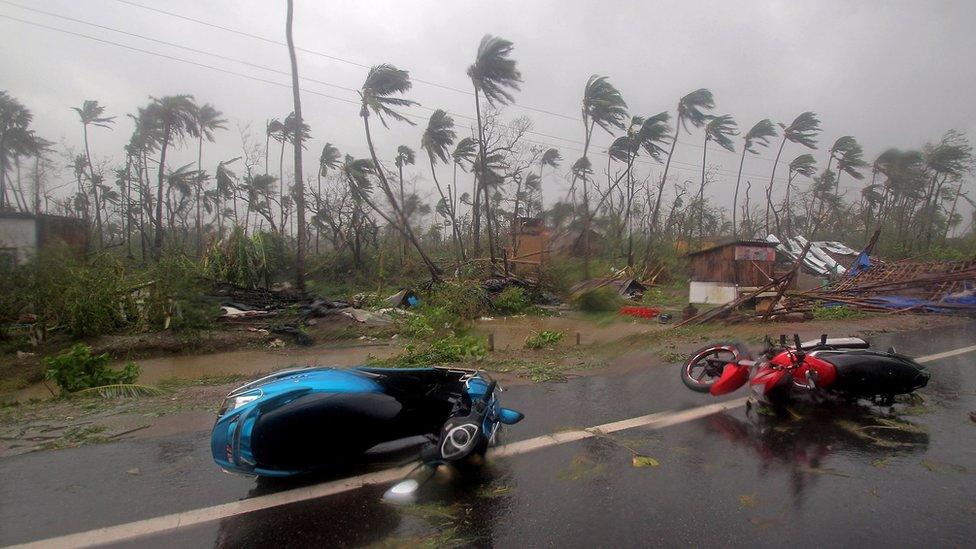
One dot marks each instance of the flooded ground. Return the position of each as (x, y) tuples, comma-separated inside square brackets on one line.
[(838, 476)]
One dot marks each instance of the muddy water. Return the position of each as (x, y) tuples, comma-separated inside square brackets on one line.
[(510, 332), (248, 362)]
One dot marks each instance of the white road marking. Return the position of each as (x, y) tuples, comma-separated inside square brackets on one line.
[(172, 523), (947, 354)]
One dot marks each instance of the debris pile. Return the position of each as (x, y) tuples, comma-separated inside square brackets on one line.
[(946, 287), (825, 258), (627, 283)]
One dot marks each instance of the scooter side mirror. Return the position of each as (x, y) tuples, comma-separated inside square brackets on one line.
[(509, 416)]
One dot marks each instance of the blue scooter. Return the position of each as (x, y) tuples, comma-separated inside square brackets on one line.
[(303, 420)]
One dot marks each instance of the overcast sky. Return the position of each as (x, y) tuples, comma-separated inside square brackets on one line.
[(892, 74)]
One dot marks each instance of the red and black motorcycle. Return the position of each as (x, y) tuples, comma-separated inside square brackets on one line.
[(842, 367)]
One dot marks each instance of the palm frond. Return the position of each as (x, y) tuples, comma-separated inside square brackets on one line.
[(551, 157), (464, 151), (121, 390), (329, 159), (720, 129), (405, 156), (805, 165), (849, 155), (603, 104), (493, 71), (381, 83), (691, 108), (803, 130), (439, 135), (760, 134)]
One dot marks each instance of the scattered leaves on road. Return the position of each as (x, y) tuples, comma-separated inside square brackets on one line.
[(645, 461)]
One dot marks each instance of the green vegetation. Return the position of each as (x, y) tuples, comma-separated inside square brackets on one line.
[(77, 369), (446, 350), (600, 300), (543, 339), (511, 301), (839, 312)]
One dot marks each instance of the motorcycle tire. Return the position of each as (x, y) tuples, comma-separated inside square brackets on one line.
[(726, 352)]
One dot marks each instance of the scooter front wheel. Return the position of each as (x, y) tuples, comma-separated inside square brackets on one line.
[(705, 366)]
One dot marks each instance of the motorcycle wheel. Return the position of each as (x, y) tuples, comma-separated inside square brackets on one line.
[(705, 366)]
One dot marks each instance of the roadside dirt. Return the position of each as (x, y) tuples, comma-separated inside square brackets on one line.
[(167, 354), (189, 405)]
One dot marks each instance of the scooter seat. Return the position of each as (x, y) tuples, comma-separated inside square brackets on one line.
[(871, 373)]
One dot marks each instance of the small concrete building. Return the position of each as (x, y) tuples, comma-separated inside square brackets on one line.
[(22, 234), (722, 272)]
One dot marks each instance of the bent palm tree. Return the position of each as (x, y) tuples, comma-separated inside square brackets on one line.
[(691, 109), (551, 157), (493, 73), (405, 156), (207, 119), (804, 165), (436, 139), (602, 106), (377, 96), (171, 118), (329, 159), (803, 131), (91, 115), (643, 133), (15, 120), (758, 135), (296, 135), (719, 129)]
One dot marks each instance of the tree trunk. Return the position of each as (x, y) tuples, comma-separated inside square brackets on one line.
[(199, 226), (3, 172), (952, 212), (403, 241), (158, 240), (447, 202), (588, 130), (299, 179), (735, 195), (701, 197), (91, 177), (128, 206), (772, 176), (405, 230), (479, 180), (281, 186), (37, 186), (664, 178)]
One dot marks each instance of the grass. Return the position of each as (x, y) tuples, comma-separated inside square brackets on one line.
[(446, 350), (543, 339), (838, 312)]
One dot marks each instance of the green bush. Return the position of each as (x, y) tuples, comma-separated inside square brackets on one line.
[(840, 312), (511, 301), (545, 338), (78, 369), (447, 308), (599, 300), (174, 296), (464, 300), (446, 350), (86, 298)]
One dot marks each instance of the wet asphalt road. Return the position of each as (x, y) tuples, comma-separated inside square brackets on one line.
[(841, 476)]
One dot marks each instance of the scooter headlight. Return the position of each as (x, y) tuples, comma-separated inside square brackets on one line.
[(233, 402), (459, 440)]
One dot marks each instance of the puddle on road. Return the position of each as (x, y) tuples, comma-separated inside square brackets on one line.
[(249, 362)]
